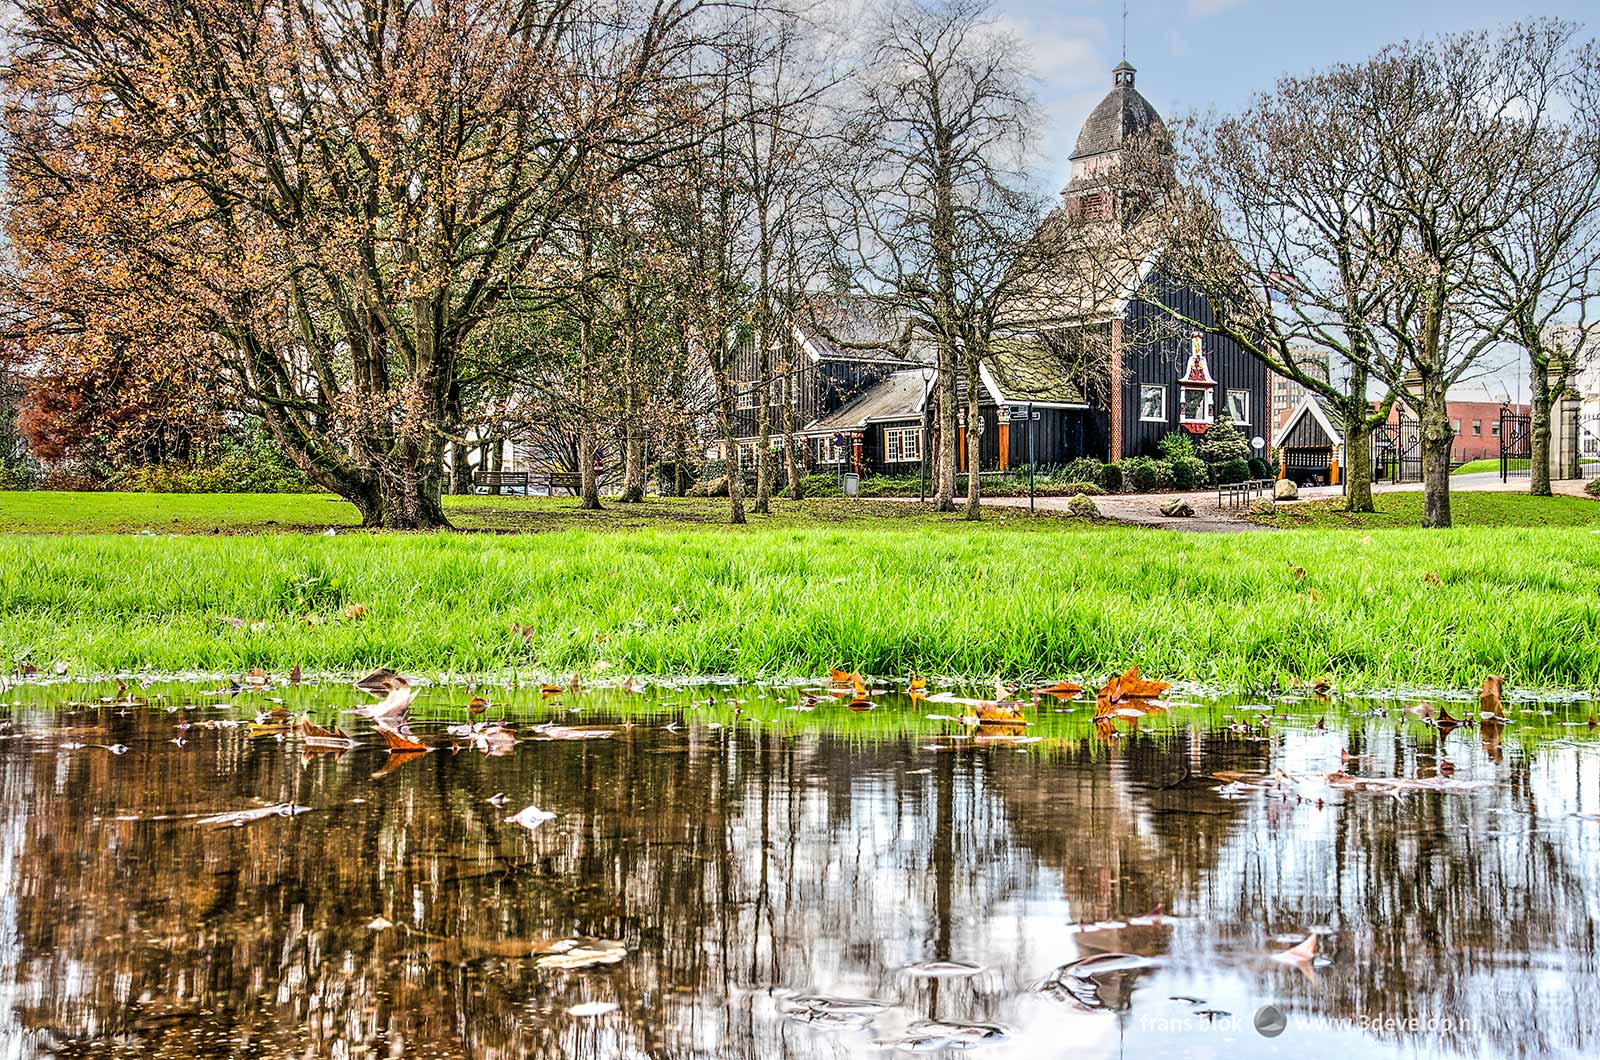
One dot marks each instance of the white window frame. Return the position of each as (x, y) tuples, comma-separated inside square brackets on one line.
[(896, 443), (745, 398), (1245, 419), (1143, 389), (1208, 406), (827, 452)]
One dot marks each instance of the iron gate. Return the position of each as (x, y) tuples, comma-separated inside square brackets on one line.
[(1516, 444), (1397, 451), (1589, 446)]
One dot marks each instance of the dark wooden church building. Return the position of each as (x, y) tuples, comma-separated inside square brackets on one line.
[(1111, 385)]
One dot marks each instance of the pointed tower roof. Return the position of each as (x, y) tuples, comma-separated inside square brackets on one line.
[(1122, 114)]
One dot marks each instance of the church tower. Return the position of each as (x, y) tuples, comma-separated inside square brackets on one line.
[(1122, 116)]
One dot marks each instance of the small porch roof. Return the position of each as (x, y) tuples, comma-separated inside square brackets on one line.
[(897, 397), (1310, 425)]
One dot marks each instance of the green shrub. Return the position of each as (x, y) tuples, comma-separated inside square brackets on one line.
[(1139, 474), (820, 484), (251, 464), (1176, 445), (1593, 487), (1223, 442), (1189, 473), (1164, 477), (1235, 470), (1259, 468), (1086, 469), (1111, 478)]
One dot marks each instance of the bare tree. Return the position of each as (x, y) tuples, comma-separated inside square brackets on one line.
[(1541, 269), (934, 219)]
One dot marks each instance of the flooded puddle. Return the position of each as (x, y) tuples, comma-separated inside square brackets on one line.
[(764, 872)]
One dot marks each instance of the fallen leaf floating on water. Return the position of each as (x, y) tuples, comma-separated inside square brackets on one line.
[(489, 737), (530, 817), (1489, 706), (842, 677), (391, 707), (590, 1009), (832, 1013), (1131, 686), (550, 690), (476, 706), (1060, 690), (1081, 983), (240, 818), (942, 970), (295, 675), (859, 701), (1003, 692), (575, 953), (399, 738), (381, 682), (929, 1036), (1000, 714), (317, 737), (566, 732), (917, 688)]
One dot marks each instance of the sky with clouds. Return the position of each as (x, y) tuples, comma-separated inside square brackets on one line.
[(1202, 54)]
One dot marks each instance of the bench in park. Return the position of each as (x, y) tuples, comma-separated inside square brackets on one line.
[(515, 481), (570, 481)]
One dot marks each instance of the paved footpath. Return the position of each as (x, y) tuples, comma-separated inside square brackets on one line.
[(1144, 509)]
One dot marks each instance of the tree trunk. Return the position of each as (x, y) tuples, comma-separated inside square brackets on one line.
[(633, 470), (944, 495), (735, 475), (1539, 431), (763, 443), (974, 509), (1358, 461), (460, 470), (590, 492), (791, 455), (1437, 439)]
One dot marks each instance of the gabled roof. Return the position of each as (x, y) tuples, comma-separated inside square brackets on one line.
[(897, 397), (839, 327), (1319, 413), (1024, 369)]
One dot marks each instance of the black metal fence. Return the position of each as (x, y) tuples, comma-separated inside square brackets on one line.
[(1516, 444), (1397, 451)]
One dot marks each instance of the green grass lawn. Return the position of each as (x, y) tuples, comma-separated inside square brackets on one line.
[(1467, 509), (1473, 467), (899, 593), (248, 513)]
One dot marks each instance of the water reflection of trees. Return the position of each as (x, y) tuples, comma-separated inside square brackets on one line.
[(731, 863)]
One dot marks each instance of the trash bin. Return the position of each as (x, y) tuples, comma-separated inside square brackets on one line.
[(852, 484)]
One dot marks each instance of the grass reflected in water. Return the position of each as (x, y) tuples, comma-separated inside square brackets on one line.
[(751, 858)]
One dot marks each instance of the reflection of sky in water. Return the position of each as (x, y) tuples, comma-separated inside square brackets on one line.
[(745, 864)]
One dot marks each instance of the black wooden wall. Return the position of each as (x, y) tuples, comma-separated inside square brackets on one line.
[(1157, 351)]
